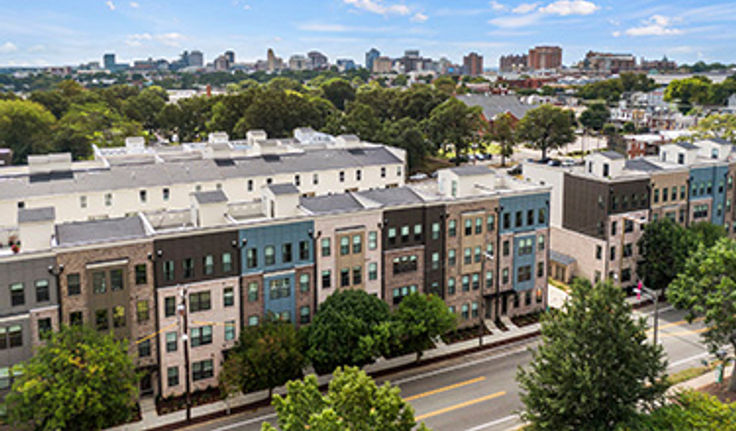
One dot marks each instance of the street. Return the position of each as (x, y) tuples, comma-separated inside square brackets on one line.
[(478, 392)]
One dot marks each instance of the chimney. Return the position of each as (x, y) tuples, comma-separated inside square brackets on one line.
[(208, 208), (36, 228)]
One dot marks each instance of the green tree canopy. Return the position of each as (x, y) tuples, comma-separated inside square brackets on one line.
[(717, 126), (25, 128), (595, 116), (665, 247), (503, 131), (342, 328), (338, 91), (546, 128), (420, 319), (353, 402), (707, 287), (407, 134), (594, 367), (454, 122), (79, 379), (688, 410)]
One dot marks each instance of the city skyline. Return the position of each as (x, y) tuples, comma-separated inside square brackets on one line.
[(47, 33)]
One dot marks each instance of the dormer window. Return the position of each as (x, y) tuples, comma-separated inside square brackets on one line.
[(681, 159), (605, 169), (714, 153)]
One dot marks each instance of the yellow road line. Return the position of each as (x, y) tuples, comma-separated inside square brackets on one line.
[(678, 323), (694, 331), (445, 388), (459, 406)]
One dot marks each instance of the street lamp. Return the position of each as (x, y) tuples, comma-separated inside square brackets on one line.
[(654, 296)]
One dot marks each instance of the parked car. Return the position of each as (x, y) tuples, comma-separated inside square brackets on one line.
[(419, 176), (516, 170), (480, 157)]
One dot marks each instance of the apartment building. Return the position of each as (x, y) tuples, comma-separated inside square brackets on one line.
[(600, 207)]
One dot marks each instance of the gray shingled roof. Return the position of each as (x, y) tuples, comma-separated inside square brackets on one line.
[(342, 202), (99, 231), (561, 258), (470, 170), (192, 171), (393, 196), (30, 215), (283, 189), (720, 141), (210, 197), (611, 155), (686, 145), (641, 165), (497, 104)]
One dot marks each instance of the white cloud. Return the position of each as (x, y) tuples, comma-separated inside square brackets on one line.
[(110, 4), (327, 28), (7, 48), (656, 25), (36, 48), (419, 17), (377, 7), (134, 5), (570, 7), (246, 7), (616, 33), (515, 21), (497, 6), (168, 39), (525, 8)]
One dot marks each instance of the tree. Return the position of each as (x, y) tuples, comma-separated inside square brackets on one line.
[(338, 91), (445, 84), (25, 128), (665, 247), (353, 402), (688, 91), (503, 132), (706, 287), (79, 379), (595, 116), (453, 122), (705, 233), (416, 102), (343, 329), (717, 126), (145, 106), (362, 120), (419, 319), (546, 127), (406, 134), (267, 355), (594, 367), (688, 410)]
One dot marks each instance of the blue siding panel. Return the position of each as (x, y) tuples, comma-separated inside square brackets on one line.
[(277, 306), (276, 235), (535, 202), (524, 260)]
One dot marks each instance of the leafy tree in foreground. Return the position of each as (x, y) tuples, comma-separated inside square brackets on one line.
[(353, 402), (689, 410), (706, 233), (594, 367), (267, 355), (421, 318), (80, 379), (343, 330), (707, 287), (25, 128), (546, 128), (503, 133), (665, 246), (453, 122)]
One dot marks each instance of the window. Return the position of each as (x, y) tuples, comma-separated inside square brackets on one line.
[(476, 281), (526, 246), (628, 226), (15, 336), (286, 255), (614, 227), (143, 196), (144, 348), (383, 172), (208, 263), (628, 250), (490, 223), (166, 194), (303, 250), (540, 242), (417, 232), (304, 282), (665, 195), (612, 253), (710, 187), (404, 233), (598, 252), (279, 288), (358, 175), (187, 266), (476, 254), (101, 321), (201, 335), (172, 376), (728, 205), (325, 245), (202, 370), (464, 311), (400, 292), (227, 262), (357, 244), (451, 257), (542, 216), (99, 282), (505, 275), (269, 180), (682, 192), (398, 171), (518, 219), (465, 280), (344, 245), (141, 310), (297, 180), (75, 318), (467, 256), (700, 211), (506, 220), (450, 286), (527, 298), (44, 328), (505, 246), (42, 290), (228, 296), (468, 226), (344, 277), (252, 291), (118, 316), (605, 169), (73, 284), (169, 270), (454, 188), (269, 253), (452, 228), (478, 225), (140, 274), (474, 309), (489, 279), (435, 231), (171, 341), (674, 192), (3, 338), (83, 201), (540, 269), (372, 240), (529, 217), (435, 260), (199, 301), (304, 314), (372, 271), (169, 306), (681, 216), (108, 199), (342, 176), (405, 264), (315, 179), (525, 273), (392, 235), (326, 279), (626, 274)]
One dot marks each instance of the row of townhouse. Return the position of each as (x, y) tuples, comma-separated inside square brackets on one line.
[(600, 207), (477, 238)]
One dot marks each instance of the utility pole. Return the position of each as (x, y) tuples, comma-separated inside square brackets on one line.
[(184, 321)]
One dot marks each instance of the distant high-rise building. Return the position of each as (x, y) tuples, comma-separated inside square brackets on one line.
[(230, 55), (370, 57), (512, 63), (273, 63), (411, 53), (317, 60), (345, 64), (221, 63), (411, 61), (298, 62), (473, 64), (382, 65), (195, 58), (659, 65), (544, 57), (608, 62), (108, 60)]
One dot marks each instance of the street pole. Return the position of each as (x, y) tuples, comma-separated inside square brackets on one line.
[(656, 316), (185, 340)]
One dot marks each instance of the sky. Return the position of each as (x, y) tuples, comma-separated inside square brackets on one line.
[(70, 32)]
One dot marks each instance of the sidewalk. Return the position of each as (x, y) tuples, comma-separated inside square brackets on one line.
[(151, 420)]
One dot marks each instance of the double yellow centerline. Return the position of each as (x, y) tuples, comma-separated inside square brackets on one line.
[(454, 406)]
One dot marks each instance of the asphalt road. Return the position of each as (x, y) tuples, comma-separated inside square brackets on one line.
[(478, 392)]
